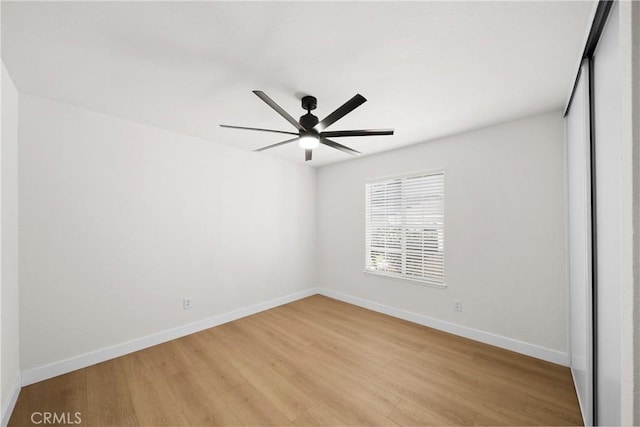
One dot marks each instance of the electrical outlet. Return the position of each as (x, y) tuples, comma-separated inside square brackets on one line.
[(457, 306), (186, 303)]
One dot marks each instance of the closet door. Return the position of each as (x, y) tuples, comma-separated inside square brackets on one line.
[(578, 147), (607, 104)]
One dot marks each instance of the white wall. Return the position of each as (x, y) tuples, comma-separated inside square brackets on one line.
[(504, 230), (119, 221), (10, 358)]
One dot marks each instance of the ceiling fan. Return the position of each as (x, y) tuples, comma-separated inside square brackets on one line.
[(311, 132)]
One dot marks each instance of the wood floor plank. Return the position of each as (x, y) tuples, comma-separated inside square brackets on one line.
[(213, 366), (313, 362), (317, 415), (199, 402), (322, 363), (253, 408), (349, 408), (285, 396), (153, 400), (359, 388), (409, 414), (108, 399)]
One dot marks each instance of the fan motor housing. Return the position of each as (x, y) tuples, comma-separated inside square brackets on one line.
[(308, 121)]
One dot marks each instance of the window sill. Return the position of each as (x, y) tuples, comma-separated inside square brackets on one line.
[(407, 279)]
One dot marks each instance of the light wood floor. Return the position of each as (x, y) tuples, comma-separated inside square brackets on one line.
[(316, 361)]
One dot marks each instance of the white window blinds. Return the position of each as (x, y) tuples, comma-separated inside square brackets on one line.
[(405, 228)]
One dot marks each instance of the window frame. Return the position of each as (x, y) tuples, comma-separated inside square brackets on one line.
[(401, 276)]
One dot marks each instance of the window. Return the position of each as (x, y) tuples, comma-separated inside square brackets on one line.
[(405, 228)]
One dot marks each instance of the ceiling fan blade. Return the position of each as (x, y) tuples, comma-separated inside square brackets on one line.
[(340, 112), (361, 132), (275, 145), (271, 103), (340, 147), (260, 129), (307, 155)]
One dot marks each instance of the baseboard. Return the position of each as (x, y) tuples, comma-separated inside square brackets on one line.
[(87, 359), (7, 410), (532, 350), (82, 361)]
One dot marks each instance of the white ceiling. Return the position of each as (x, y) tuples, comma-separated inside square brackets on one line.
[(428, 69)]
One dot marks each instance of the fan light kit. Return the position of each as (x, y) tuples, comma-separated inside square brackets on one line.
[(309, 141), (311, 131)]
